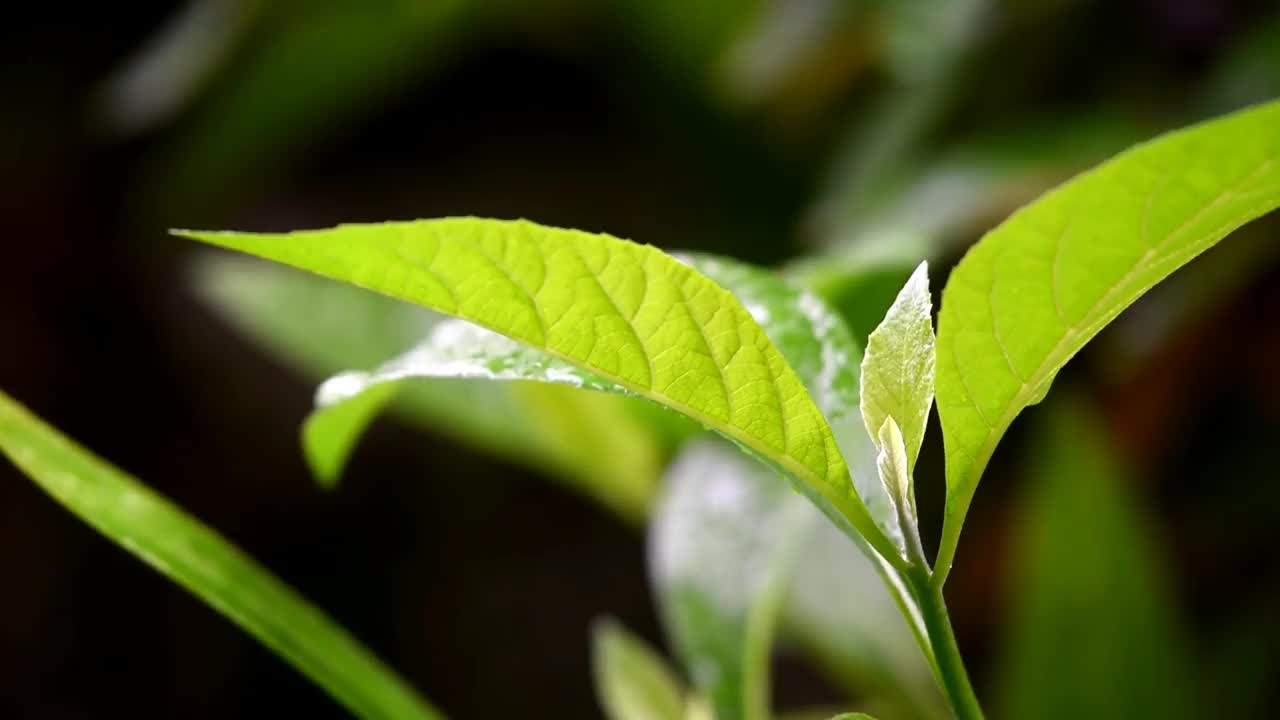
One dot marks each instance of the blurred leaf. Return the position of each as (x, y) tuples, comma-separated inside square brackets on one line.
[(721, 540), (1033, 291), (1250, 72), (1093, 632), (924, 38), (860, 290), (921, 209), (625, 312), (800, 56), (632, 681), (683, 38), (840, 611), (309, 71), (733, 556), (570, 436), (897, 371), (196, 557), (171, 66)]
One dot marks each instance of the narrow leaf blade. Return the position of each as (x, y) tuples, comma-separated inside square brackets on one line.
[(194, 556), (1032, 292)]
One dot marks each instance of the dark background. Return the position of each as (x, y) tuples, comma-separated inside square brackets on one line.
[(478, 579)]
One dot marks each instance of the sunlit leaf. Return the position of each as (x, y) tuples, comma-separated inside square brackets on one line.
[(625, 312), (573, 437), (632, 681), (1093, 631), (725, 536), (1033, 291), (196, 557)]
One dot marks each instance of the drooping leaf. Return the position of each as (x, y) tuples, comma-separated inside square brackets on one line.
[(327, 437), (898, 368), (1033, 291), (194, 556), (549, 429), (1093, 631), (632, 681), (625, 312)]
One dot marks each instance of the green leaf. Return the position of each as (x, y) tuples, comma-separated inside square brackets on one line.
[(1093, 631), (898, 368), (625, 312), (1033, 291), (895, 474), (329, 436), (632, 681), (549, 429), (194, 556), (726, 537)]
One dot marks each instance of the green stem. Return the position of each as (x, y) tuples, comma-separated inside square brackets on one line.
[(949, 667)]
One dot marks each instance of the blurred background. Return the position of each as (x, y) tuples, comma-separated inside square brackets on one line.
[(841, 140)]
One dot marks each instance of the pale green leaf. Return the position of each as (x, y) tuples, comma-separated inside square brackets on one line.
[(196, 557), (1033, 291), (895, 474), (898, 368), (625, 312), (1093, 631), (632, 681)]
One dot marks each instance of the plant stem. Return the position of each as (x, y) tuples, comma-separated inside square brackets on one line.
[(949, 666)]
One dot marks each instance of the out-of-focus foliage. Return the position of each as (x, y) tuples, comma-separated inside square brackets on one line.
[(1092, 631), (632, 681)]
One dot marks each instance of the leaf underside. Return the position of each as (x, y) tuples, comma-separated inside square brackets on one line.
[(1033, 291)]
